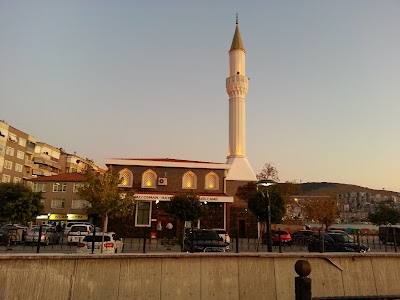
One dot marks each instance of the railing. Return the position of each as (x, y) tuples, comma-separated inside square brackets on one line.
[(303, 286)]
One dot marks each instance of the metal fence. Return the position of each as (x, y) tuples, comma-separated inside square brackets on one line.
[(142, 245)]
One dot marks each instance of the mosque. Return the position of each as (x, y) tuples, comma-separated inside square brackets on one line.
[(156, 180)]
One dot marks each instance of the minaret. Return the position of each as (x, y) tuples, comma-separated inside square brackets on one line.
[(236, 86)]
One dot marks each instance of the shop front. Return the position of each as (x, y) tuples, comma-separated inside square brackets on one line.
[(61, 218)]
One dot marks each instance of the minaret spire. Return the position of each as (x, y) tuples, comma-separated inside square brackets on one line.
[(237, 19), (236, 86)]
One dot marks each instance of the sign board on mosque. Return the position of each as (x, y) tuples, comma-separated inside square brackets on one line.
[(155, 197), (69, 217)]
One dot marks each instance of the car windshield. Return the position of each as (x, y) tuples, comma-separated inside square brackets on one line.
[(97, 238), (79, 228), (205, 235), (342, 238)]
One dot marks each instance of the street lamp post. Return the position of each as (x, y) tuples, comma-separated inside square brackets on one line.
[(267, 183)]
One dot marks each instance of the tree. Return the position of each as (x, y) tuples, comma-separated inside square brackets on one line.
[(258, 206), (321, 210), (385, 215), (257, 203), (268, 172), (104, 197), (186, 208), (18, 203)]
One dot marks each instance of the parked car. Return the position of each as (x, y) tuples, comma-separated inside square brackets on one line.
[(223, 234), (13, 233), (49, 236), (284, 236), (3, 235), (336, 242), (70, 224), (301, 237), (111, 243), (78, 232), (204, 240)]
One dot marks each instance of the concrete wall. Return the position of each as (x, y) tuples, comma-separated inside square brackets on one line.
[(193, 276)]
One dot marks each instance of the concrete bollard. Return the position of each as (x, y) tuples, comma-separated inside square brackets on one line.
[(302, 282)]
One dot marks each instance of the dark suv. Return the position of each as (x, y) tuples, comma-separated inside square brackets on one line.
[(336, 242), (301, 237), (204, 240)]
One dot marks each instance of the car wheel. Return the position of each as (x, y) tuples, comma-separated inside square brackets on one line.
[(300, 241), (47, 242)]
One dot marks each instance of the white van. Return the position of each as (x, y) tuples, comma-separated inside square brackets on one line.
[(69, 224), (78, 232)]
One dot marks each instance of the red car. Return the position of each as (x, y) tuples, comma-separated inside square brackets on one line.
[(285, 237)]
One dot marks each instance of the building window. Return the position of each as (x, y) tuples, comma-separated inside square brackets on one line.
[(39, 187), (10, 151), (22, 142), (143, 213), (6, 178), (76, 187), (212, 182), (18, 168), (126, 178), (7, 165), (2, 148), (59, 187), (57, 203), (17, 179), (20, 154), (12, 137), (189, 180), (149, 179), (79, 204)]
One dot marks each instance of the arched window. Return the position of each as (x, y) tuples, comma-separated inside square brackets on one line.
[(149, 179), (189, 180), (127, 178), (212, 181)]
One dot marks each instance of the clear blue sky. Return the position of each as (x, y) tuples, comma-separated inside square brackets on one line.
[(137, 79)]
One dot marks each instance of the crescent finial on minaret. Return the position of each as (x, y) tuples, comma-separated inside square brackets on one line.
[(237, 40)]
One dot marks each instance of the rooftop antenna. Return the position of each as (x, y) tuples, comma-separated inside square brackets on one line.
[(237, 18)]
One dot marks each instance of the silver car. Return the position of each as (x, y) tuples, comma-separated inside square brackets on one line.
[(49, 236)]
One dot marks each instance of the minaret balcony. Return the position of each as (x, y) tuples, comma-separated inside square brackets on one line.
[(235, 79)]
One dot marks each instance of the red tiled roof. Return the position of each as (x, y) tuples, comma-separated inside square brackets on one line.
[(74, 177), (170, 160)]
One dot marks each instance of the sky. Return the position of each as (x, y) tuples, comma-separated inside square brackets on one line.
[(146, 79)]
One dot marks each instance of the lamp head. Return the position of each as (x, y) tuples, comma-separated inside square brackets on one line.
[(265, 182)]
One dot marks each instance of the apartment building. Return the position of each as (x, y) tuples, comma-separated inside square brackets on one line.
[(22, 157), (16, 154), (71, 163), (61, 200)]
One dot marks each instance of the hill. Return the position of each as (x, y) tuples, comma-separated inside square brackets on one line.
[(332, 189)]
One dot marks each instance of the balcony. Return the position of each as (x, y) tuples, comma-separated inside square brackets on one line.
[(27, 175), (28, 162), (44, 159), (41, 172)]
